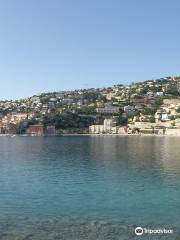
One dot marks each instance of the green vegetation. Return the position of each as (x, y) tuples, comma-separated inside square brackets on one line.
[(67, 120)]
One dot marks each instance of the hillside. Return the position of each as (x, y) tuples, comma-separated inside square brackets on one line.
[(150, 101)]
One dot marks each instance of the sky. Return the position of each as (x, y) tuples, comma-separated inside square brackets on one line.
[(54, 45)]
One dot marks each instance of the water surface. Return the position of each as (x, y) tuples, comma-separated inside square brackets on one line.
[(88, 187)]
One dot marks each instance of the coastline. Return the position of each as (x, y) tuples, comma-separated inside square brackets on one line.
[(105, 134), (95, 135)]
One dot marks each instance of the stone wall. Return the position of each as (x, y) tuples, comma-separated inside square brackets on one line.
[(175, 132)]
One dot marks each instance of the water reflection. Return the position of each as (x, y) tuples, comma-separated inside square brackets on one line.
[(129, 178)]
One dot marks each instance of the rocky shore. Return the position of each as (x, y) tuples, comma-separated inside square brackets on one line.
[(69, 228)]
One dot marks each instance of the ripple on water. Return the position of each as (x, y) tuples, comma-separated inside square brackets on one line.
[(69, 228)]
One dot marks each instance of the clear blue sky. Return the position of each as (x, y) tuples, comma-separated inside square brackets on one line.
[(48, 45)]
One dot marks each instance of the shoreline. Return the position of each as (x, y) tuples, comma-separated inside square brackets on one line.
[(140, 135), (75, 227), (89, 134)]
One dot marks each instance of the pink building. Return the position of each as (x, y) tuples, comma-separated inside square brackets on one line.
[(36, 130)]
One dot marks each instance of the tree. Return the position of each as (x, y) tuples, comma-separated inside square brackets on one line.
[(122, 120), (178, 110), (87, 110), (172, 117), (159, 102), (67, 120), (149, 111), (152, 119), (173, 124)]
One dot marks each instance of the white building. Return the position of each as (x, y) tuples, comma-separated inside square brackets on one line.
[(109, 126), (164, 117), (96, 129)]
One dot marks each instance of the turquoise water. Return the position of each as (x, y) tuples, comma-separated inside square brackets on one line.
[(88, 187)]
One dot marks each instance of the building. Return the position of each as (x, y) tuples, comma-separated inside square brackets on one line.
[(67, 101), (96, 129), (164, 117), (114, 130), (160, 94), (1, 127), (109, 126), (122, 130), (36, 130), (108, 110), (18, 117), (50, 130), (9, 128), (15, 118)]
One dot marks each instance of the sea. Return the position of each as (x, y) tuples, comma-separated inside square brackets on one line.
[(89, 187)]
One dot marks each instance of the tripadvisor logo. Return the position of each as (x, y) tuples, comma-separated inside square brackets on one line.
[(139, 231)]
